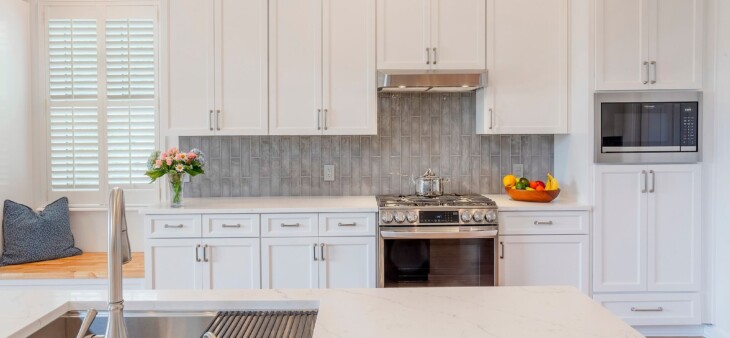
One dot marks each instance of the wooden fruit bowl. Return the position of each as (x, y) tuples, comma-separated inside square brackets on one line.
[(544, 196)]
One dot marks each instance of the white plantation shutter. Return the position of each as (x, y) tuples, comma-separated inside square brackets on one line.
[(102, 100)]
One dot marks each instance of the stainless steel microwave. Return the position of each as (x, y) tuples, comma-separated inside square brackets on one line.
[(648, 127)]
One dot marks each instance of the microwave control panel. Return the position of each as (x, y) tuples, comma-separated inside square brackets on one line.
[(689, 126)]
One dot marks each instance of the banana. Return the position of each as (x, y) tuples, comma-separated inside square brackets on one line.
[(552, 183)]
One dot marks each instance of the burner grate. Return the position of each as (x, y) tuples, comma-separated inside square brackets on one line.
[(260, 324)]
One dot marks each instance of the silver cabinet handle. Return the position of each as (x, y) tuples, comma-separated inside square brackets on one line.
[(169, 226), (491, 118), (653, 77), (210, 120), (205, 253), (435, 56), (501, 245), (643, 185), (231, 225), (290, 225), (428, 56), (656, 309), (646, 72), (321, 251), (314, 251), (218, 119), (319, 122), (543, 222), (197, 253), (353, 224), (653, 181), (325, 119)]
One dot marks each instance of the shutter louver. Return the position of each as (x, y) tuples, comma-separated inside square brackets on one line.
[(74, 149), (72, 59), (130, 67)]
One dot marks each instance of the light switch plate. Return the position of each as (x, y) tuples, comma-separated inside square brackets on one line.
[(329, 172), (518, 170)]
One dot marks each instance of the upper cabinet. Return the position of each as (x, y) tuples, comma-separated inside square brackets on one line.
[(217, 68), (648, 44), (527, 61), (421, 35), (322, 67)]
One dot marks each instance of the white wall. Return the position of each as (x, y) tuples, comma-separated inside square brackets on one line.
[(15, 113)]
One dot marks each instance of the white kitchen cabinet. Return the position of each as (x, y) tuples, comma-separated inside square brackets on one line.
[(527, 59), (438, 35), (347, 262), (544, 260), (231, 263), (290, 263), (173, 264), (322, 67), (218, 79), (648, 44)]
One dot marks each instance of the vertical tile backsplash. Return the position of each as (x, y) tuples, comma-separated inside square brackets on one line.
[(415, 132)]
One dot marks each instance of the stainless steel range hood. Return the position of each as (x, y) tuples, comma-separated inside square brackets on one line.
[(430, 82)]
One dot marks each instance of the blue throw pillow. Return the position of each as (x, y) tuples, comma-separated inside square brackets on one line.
[(30, 237)]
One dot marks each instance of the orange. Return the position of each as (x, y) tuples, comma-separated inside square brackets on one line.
[(509, 181)]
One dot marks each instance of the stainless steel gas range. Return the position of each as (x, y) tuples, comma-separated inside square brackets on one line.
[(448, 240)]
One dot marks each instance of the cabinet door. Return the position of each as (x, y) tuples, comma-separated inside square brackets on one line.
[(622, 44), (527, 60), (347, 262), (241, 70), (191, 79), (349, 75), (620, 229), (404, 35), (544, 260), (295, 67), (290, 263), (173, 264), (674, 228), (458, 34), (676, 44), (232, 263)]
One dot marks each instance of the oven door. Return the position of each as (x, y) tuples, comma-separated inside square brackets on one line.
[(437, 256)]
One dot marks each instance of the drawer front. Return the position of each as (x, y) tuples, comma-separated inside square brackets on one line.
[(544, 223), (654, 308), (231, 225), (289, 225), (173, 226), (347, 224)]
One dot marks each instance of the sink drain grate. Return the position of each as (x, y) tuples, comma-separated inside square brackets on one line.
[(268, 324)]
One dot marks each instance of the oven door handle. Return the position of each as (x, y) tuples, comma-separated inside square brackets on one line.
[(395, 234)]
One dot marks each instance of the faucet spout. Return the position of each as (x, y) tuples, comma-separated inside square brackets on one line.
[(119, 254)]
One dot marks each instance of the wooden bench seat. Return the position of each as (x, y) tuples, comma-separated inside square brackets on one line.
[(89, 265)]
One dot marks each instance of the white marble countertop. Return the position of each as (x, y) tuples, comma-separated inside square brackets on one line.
[(258, 205), (505, 203), (514, 312)]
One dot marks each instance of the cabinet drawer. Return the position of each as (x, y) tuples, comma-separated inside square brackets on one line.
[(289, 225), (231, 225), (347, 224), (654, 308), (543, 223), (173, 226)]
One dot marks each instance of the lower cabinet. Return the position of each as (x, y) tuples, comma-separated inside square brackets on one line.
[(211, 263), (318, 262), (544, 260)]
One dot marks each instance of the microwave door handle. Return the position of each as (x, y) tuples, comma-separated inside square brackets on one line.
[(390, 234)]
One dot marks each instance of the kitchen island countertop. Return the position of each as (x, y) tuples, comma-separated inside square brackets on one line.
[(510, 312)]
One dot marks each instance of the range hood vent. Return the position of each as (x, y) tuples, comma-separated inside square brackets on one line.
[(430, 82)]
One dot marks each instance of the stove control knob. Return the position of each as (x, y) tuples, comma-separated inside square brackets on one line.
[(478, 216), (412, 216), (491, 216), (465, 216), (386, 216), (400, 217)]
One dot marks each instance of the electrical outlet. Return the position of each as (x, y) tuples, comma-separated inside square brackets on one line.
[(518, 170), (329, 172), (186, 178)]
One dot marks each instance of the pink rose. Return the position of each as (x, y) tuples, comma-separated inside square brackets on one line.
[(172, 151), (192, 156), (169, 161), (163, 155), (158, 163)]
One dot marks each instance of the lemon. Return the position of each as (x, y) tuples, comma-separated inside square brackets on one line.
[(509, 181)]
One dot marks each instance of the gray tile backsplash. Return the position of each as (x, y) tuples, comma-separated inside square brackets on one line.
[(415, 132)]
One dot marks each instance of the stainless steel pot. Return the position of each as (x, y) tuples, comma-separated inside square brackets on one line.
[(429, 184)]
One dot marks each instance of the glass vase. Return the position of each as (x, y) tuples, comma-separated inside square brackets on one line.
[(177, 183)]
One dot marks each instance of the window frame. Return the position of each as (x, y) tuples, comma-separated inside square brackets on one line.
[(137, 195)]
